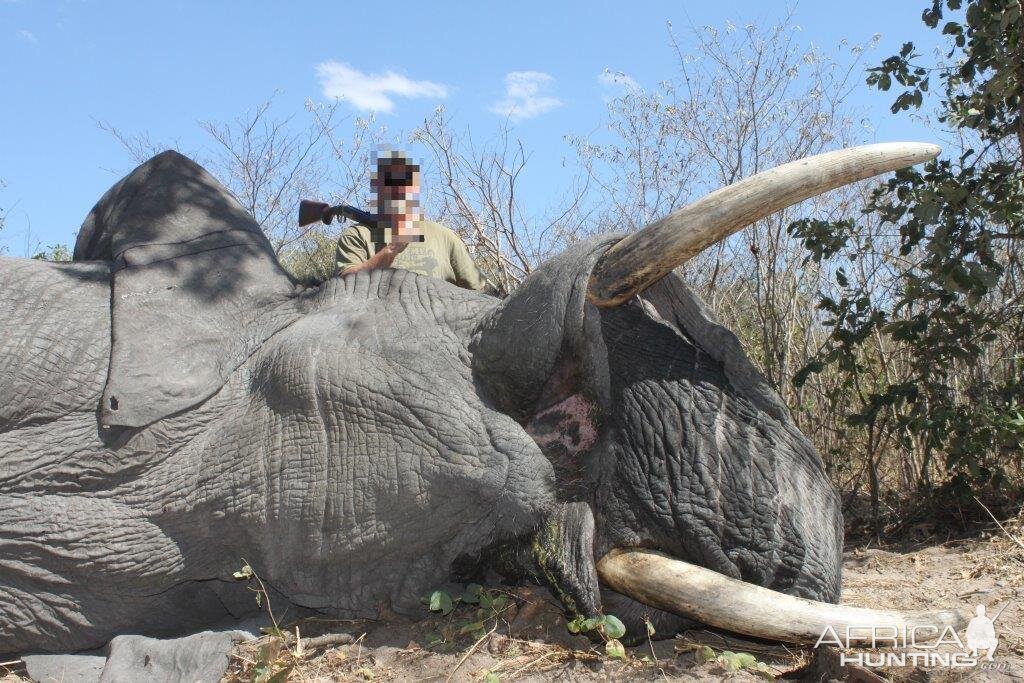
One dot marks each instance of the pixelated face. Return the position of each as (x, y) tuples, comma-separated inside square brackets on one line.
[(396, 185)]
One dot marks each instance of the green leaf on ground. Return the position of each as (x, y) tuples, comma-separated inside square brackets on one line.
[(614, 648), (613, 627), (441, 602)]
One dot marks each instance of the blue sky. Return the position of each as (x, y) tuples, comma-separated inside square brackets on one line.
[(159, 68)]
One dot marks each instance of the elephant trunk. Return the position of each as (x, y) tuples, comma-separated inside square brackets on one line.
[(714, 599), (643, 258)]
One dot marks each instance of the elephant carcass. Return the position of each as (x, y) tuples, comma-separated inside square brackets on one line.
[(175, 405)]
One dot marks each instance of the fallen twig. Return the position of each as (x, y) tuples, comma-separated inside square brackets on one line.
[(532, 664), (359, 649), (703, 636), (509, 663), (1000, 612), (470, 652), (1008, 534), (327, 639)]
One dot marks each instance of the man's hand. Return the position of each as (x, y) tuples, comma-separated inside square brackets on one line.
[(388, 253), (382, 259)]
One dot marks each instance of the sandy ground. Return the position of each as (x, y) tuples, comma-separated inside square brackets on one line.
[(526, 639), (529, 640)]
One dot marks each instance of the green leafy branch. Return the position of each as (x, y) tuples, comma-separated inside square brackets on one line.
[(471, 614), (609, 627), (267, 668), (731, 661)]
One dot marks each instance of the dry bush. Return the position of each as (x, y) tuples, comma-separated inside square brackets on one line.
[(473, 188)]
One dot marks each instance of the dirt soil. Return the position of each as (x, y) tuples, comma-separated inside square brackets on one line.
[(528, 641), (525, 639)]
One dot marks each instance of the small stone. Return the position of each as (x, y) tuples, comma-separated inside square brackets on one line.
[(200, 657), (66, 668)]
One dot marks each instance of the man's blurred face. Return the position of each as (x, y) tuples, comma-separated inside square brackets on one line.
[(397, 186)]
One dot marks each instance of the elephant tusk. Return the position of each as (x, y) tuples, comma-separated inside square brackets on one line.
[(643, 258), (716, 600)]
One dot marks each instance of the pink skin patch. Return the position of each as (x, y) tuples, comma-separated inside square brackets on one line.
[(565, 427)]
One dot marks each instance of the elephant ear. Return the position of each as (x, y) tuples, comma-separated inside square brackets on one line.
[(538, 346), (539, 356), (196, 287)]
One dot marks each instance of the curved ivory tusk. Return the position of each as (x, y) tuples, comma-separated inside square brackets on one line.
[(643, 258), (733, 605)]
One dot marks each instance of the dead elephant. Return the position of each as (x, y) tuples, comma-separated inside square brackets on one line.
[(173, 403)]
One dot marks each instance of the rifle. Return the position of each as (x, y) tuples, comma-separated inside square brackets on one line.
[(312, 212)]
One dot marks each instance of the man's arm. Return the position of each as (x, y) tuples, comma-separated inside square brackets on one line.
[(353, 253), (352, 250), (382, 259)]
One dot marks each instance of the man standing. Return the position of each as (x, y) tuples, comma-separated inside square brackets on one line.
[(419, 245)]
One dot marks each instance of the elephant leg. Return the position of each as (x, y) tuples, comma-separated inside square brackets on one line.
[(560, 556), (77, 570)]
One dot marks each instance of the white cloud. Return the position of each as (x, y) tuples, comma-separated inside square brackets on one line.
[(27, 36), (617, 79), (372, 92), (526, 95)]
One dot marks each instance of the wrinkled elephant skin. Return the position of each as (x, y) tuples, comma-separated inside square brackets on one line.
[(174, 405)]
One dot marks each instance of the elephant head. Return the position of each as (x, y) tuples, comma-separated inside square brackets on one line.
[(659, 424), (179, 403)]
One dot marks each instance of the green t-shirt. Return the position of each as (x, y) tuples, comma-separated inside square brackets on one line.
[(441, 254)]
